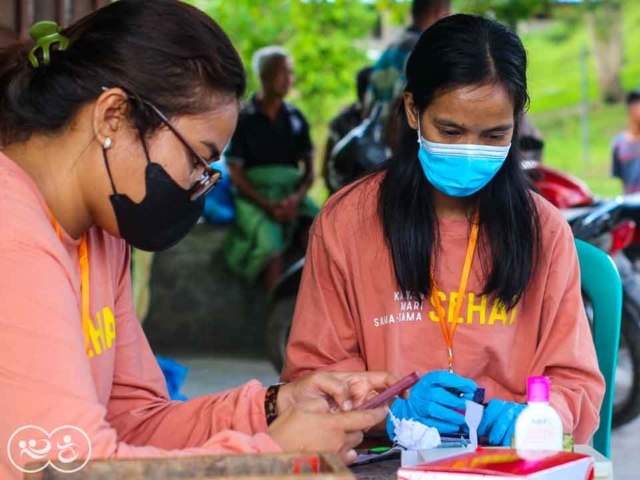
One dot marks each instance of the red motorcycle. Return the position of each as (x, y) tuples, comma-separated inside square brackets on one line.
[(611, 226), (573, 197)]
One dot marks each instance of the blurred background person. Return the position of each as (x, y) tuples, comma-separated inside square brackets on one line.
[(531, 142), (352, 115), (348, 119), (626, 147), (388, 76), (271, 141)]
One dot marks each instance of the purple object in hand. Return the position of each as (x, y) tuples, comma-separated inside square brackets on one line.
[(393, 391), (478, 397)]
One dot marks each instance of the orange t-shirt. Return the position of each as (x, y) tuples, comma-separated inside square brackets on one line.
[(351, 315), (116, 393)]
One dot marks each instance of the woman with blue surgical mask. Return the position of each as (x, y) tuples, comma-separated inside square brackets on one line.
[(445, 262)]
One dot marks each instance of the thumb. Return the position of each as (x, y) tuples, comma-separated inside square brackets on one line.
[(335, 388), (451, 380)]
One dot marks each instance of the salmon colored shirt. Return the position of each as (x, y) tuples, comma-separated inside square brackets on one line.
[(116, 393), (351, 314)]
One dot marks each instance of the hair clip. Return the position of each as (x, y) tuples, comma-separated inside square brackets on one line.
[(46, 34)]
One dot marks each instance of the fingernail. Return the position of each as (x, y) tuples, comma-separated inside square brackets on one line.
[(347, 406), (352, 456)]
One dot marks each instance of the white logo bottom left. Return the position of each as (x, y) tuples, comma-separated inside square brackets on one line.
[(65, 445)]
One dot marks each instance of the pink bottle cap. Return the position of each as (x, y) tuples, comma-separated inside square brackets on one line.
[(538, 389)]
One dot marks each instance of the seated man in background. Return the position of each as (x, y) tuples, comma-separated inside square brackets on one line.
[(271, 140)]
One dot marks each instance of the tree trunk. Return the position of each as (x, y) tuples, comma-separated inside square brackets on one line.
[(605, 27)]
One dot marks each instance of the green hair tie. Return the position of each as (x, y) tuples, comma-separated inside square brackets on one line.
[(46, 34)]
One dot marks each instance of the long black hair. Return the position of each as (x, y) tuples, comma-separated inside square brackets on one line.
[(457, 51)]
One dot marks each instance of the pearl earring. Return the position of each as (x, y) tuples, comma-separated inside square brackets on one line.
[(107, 143)]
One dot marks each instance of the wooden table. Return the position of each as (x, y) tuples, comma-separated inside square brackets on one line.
[(277, 466)]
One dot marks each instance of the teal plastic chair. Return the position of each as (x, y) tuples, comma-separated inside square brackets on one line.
[(601, 283)]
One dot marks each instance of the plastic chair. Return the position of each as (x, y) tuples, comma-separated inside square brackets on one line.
[(601, 283)]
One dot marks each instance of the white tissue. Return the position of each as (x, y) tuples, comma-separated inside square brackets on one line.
[(414, 435)]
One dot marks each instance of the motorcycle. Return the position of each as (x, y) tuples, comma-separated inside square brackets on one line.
[(611, 225), (568, 192), (359, 152)]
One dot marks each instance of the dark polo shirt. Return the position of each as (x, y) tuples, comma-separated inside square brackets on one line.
[(259, 141)]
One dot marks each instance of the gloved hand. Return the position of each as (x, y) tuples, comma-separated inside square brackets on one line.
[(499, 422), (429, 403)]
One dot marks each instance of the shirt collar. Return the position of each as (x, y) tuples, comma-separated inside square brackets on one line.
[(253, 108)]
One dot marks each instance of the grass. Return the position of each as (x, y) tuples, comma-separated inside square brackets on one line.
[(555, 89), (555, 60), (564, 150)]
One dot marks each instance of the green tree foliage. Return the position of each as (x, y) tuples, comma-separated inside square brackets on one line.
[(322, 36), (327, 38), (507, 11)]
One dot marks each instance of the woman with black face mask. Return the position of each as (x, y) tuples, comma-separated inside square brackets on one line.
[(108, 129)]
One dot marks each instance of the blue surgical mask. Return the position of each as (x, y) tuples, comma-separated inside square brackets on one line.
[(460, 170)]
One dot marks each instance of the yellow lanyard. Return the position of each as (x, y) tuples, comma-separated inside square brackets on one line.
[(83, 254), (462, 291)]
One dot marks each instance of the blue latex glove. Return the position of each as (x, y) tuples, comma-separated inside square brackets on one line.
[(499, 422), (429, 403), (174, 374)]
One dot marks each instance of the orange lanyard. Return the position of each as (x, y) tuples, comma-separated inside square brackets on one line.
[(83, 254), (462, 291)]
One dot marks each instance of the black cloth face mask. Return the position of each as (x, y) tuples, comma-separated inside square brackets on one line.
[(164, 216)]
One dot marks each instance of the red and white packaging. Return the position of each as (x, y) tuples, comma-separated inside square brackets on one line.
[(504, 464)]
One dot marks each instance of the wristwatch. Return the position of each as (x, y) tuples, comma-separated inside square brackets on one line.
[(271, 402)]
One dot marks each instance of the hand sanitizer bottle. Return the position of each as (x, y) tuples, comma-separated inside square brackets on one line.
[(539, 427)]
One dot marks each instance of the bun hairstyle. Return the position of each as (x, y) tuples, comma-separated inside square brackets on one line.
[(164, 51)]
